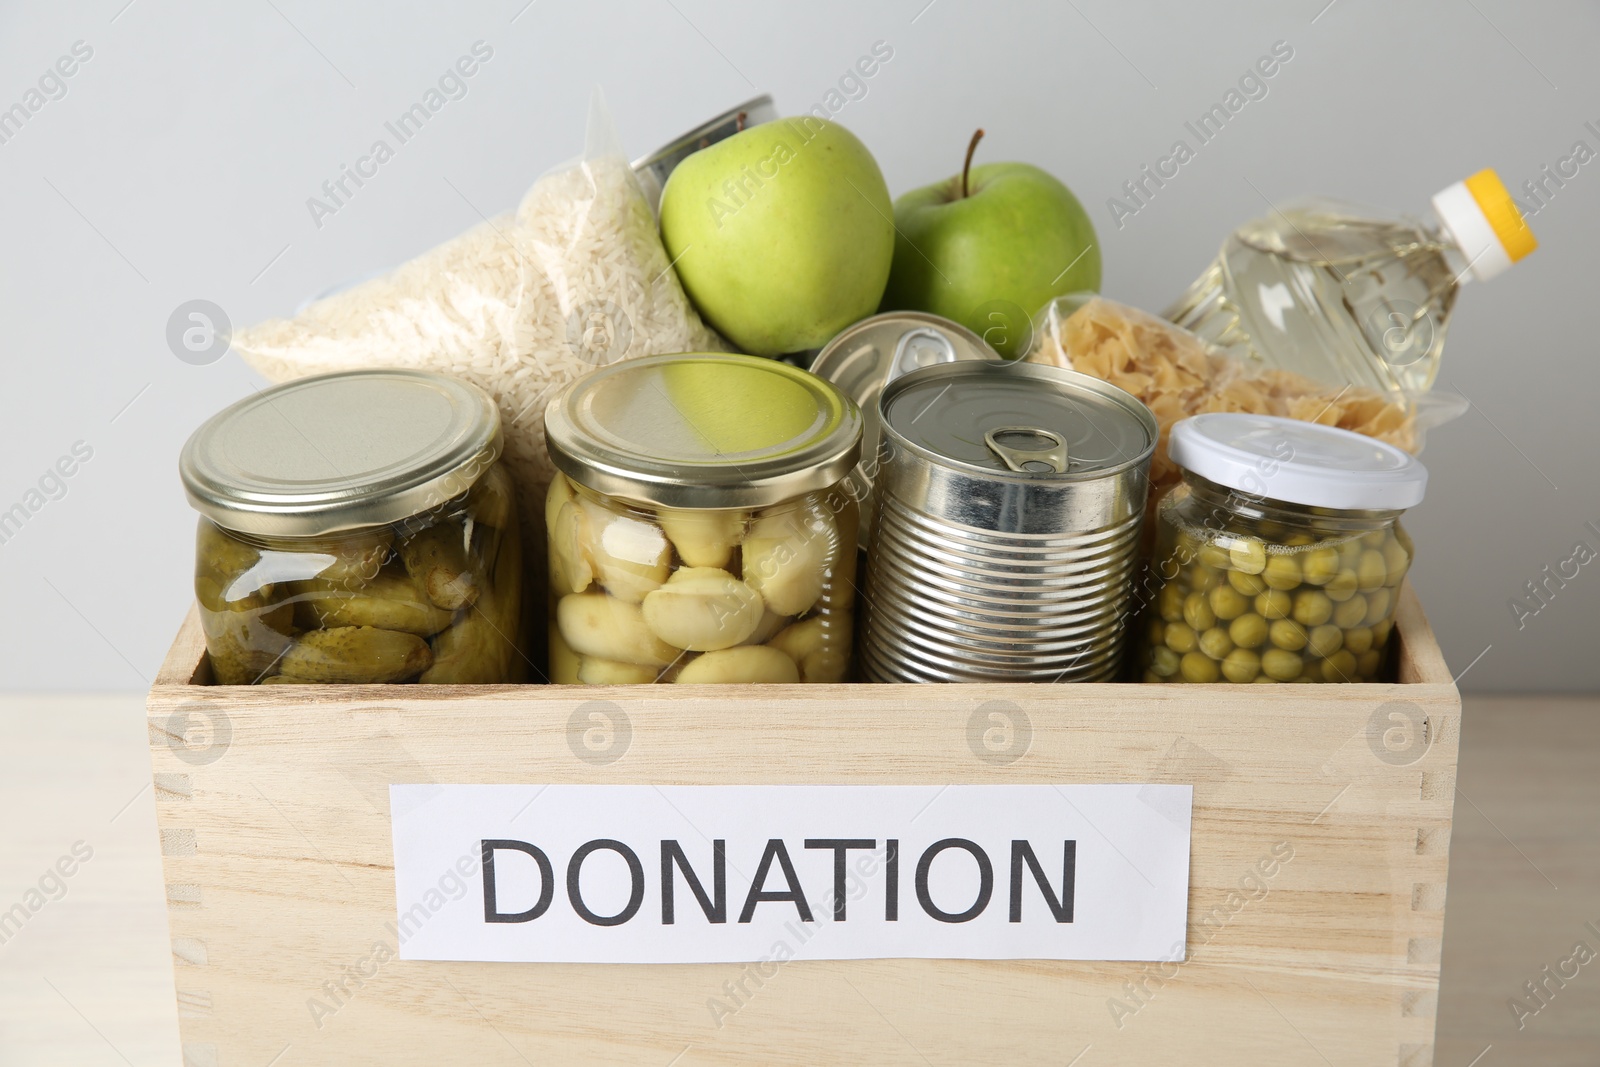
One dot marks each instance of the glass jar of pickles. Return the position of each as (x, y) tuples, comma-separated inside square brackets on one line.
[(699, 526), (357, 527), (1280, 557)]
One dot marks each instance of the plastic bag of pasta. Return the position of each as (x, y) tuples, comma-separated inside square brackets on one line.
[(1177, 375)]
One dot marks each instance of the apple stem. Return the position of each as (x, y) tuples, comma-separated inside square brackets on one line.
[(966, 167), (739, 122)]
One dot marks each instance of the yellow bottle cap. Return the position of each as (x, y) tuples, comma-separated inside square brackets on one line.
[(1501, 211), (1480, 214)]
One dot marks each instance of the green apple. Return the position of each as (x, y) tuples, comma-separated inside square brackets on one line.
[(989, 248), (782, 234)]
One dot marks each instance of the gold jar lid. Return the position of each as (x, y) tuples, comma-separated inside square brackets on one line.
[(340, 451), (703, 430)]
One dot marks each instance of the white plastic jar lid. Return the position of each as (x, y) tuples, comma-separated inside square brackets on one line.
[(1298, 462)]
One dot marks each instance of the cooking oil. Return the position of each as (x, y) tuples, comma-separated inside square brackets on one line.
[(1349, 296)]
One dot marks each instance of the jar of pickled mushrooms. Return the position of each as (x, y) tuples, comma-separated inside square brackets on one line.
[(699, 527)]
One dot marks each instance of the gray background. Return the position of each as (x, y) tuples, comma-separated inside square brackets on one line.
[(178, 164)]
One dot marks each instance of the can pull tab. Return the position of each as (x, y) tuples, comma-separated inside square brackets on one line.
[(1028, 449), (918, 348)]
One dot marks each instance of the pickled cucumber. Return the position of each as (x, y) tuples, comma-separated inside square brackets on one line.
[(360, 606), (355, 654), (220, 557), (478, 649), (387, 602), (354, 560), (492, 501), (436, 558), (244, 645), (485, 643)]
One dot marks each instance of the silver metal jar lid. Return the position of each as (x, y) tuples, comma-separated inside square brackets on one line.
[(340, 451), (703, 430), (1019, 420)]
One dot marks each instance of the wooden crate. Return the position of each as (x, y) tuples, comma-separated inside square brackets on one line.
[(274, 820)]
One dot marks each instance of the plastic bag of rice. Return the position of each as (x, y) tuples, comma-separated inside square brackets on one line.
[(521, 305)]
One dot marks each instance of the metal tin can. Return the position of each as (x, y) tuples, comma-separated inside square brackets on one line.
[(864, 358), (654, 168), (1009, 501)]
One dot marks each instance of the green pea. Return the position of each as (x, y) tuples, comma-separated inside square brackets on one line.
[(1197, 668), (1325, 640), (1264, 679), (1248, 631), (1379, 604), (1215, 643), (1320, 565), (1358, 640), (1380, 631), (1281, 664), (1197, 611), (1169, 602), (1339, 667), (1181, 637), (1351, 613), (1374, 538), (1214, 555), (1241, 665), (1368, 663), (1163, 661), (1311, 607), (1228, 603), (1370, 571), (1283, 571), (1248, 584), (1286, 633), (1343, 586), (1203, 578), (1248, 554), (1157, 631), (1396, 560), (1398, 532), (1186, 545), (1274, 604)]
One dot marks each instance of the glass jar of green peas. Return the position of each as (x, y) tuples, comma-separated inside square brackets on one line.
[(1280, 557)]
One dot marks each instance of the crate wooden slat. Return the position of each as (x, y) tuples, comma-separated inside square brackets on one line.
[(276, 839)]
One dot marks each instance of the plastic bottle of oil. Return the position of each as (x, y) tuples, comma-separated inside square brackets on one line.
[(1348, 296)]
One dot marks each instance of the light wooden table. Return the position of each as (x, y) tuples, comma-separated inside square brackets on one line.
[(87, 979)]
